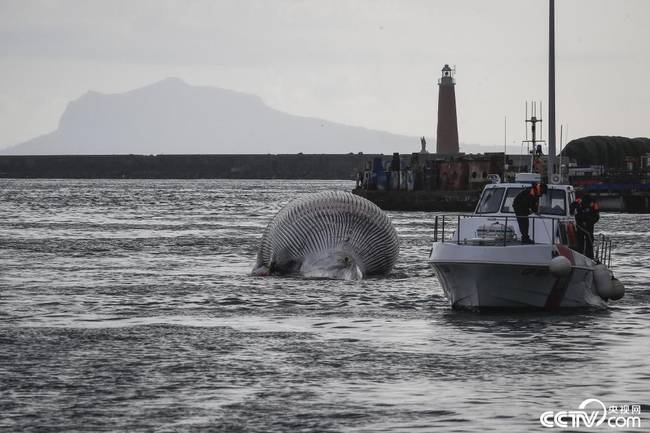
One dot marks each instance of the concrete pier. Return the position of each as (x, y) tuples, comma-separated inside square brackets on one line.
[(293, 166)]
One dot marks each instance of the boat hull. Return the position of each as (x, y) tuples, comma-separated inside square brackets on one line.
[(516, 277)]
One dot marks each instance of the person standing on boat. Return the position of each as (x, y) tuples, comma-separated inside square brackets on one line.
[(587, 214), (526, 203)]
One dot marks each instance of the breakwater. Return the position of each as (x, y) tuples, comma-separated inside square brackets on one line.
[(439, 201), (288, 166)]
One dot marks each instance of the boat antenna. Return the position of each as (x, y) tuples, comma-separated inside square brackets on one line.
[(541, 130), (505, 144), (551, 89), (526, 118), (560, 155), (532, 143)]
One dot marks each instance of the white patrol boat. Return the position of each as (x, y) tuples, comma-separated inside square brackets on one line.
[(481, 262)]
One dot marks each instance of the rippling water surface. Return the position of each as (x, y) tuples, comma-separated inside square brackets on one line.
[(127, 305)]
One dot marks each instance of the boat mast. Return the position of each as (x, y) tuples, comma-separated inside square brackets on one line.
[(551, 90)]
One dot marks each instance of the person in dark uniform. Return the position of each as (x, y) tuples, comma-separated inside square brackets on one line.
[(359, 179), (587, 214), (526, 203)]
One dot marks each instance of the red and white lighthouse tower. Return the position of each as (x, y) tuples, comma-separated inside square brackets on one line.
[(447, 134)]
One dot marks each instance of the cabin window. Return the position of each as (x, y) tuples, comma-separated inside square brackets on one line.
[(490, 200), (572, 199), (558, 203), (510, 197)]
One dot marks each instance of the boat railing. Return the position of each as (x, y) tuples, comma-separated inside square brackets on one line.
[(603, 250), (601, 246), (443, 225)]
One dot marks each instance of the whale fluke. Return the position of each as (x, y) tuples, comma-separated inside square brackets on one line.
[(331, 234)]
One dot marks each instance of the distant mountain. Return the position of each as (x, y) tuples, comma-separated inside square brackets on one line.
[(174, 117)]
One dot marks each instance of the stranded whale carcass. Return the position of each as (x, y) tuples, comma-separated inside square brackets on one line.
[(333, 234)]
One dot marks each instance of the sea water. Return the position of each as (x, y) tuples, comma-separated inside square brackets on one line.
[(127, 305)]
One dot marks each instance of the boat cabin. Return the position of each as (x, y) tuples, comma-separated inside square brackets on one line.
[(494, 221), (497, 199)]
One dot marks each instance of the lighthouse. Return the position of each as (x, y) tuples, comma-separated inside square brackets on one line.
[(447, 134)]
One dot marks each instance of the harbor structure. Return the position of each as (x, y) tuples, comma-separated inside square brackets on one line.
[(428, 182), (450, 180), (615, 171), (447, 128), (444, 180)]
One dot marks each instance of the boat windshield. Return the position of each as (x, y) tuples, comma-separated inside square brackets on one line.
[(490, 200), (510, 197), (558, 203), (557, 207)]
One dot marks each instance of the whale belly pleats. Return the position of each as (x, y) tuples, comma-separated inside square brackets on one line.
[(336, 229)]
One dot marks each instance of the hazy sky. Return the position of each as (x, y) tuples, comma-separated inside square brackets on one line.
[(367, 63)]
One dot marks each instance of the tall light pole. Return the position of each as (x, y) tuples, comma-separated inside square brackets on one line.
[(551, 90)]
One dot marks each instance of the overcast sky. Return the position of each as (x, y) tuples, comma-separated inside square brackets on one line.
[(367, 63)]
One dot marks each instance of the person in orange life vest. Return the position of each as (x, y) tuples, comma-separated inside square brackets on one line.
[(587, 214), (526, 203)]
